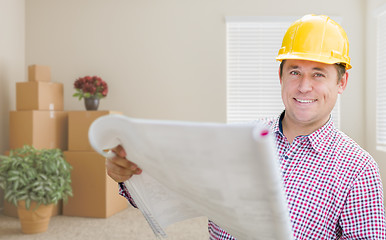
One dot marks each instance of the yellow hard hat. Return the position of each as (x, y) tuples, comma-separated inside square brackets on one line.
[(316, 38)]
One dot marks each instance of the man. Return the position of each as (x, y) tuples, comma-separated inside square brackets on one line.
[(333, 187)]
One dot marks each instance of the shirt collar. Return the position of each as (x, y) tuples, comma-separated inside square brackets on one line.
[(319, 137), (316, 138), (277, 126)]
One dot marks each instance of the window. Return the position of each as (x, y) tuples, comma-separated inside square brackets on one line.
[(381, 80), (253, 87)]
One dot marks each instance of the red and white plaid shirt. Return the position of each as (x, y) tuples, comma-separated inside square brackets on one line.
[(333, 187)]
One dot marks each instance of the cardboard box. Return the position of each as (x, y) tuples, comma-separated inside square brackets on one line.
[(39, 73), (95, 193), (41, 129), (78, 124), (10, 210), (39, 96)]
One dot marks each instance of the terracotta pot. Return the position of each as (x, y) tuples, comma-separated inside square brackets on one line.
[(34, 220)]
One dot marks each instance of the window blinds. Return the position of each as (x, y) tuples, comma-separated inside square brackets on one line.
[(253, 87)]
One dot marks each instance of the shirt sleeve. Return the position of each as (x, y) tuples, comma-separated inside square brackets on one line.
[(363, 216), (124, 192)]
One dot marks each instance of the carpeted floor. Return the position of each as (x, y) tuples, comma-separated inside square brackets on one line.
[(128, 224)]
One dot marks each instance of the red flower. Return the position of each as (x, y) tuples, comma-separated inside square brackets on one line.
[(90, 87)]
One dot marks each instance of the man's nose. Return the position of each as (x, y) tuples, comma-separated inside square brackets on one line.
[(305, 84)]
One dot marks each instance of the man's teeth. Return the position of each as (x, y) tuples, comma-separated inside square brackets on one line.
[(305, 101)]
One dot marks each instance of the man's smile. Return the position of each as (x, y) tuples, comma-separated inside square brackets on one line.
[(305, 100)]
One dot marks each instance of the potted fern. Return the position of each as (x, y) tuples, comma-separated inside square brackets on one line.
[(32, 180)]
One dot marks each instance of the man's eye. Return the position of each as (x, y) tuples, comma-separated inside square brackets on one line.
[(294, 73), (319, 75)]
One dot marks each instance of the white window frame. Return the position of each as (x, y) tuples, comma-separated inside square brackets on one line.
[(253, 87), (381, 79)]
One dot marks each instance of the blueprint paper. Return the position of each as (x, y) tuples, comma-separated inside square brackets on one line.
[(228, 173)]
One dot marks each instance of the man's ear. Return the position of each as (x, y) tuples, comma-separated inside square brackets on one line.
[(343, 83), (279, 75)]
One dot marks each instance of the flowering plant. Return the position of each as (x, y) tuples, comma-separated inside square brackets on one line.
[(87, 87)]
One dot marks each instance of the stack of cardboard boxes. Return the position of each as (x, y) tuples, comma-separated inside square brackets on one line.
[(39, 119), (95, 193)]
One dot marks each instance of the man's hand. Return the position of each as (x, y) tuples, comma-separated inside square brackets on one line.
[(119, 168)]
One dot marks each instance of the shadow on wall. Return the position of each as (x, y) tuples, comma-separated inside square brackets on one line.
[(4, 107), (4, 120)]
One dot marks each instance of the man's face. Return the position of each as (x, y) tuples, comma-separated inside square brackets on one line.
[(309, 91)]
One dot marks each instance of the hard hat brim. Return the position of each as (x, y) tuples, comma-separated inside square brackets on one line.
[(310, 57)]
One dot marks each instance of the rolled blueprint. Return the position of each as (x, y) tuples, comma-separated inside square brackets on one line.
[(227, 172)]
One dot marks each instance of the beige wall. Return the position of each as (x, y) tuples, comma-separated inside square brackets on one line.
[(167, 59), (12, 49)]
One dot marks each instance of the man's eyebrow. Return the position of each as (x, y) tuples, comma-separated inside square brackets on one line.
[(315, 68), (319, 69), (293, 66)]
